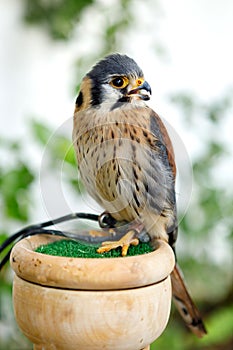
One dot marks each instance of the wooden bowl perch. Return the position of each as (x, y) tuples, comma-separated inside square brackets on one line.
[(65, 303)]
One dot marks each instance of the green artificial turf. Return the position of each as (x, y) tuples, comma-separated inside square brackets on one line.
[(77, 249)]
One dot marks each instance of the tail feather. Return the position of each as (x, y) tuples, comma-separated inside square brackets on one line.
[(185, 305)]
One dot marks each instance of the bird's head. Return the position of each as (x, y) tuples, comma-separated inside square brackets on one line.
[(114, 80)]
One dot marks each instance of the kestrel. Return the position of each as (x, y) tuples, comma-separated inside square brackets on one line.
[(126, 161)]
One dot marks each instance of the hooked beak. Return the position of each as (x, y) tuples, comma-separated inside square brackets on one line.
[(143, 91)]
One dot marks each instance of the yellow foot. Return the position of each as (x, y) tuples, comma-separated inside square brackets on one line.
[(124, 242)]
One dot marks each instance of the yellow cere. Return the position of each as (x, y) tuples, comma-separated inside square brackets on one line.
[(139, 81)]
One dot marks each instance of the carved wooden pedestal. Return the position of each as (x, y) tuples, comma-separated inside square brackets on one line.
[(91, 304)]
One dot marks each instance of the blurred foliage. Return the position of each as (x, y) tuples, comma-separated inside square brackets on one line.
[(209, 221), (213, 199), (209, 218), (15, 183), (16, 179), (59, 17), (219, 334), (61, 150)]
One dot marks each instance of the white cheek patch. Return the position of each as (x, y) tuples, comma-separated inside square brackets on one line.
[(110, 94)]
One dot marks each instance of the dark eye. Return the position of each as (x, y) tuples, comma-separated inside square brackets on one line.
[(119, 82)]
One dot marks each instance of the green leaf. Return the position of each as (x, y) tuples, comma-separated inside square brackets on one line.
[(58, 17), (15, 186), (63, 150), (41, 132)]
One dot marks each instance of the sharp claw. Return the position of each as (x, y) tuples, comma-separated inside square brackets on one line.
[(124, 250)]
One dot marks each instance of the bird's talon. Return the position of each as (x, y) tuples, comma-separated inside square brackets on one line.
[(125, 242)]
